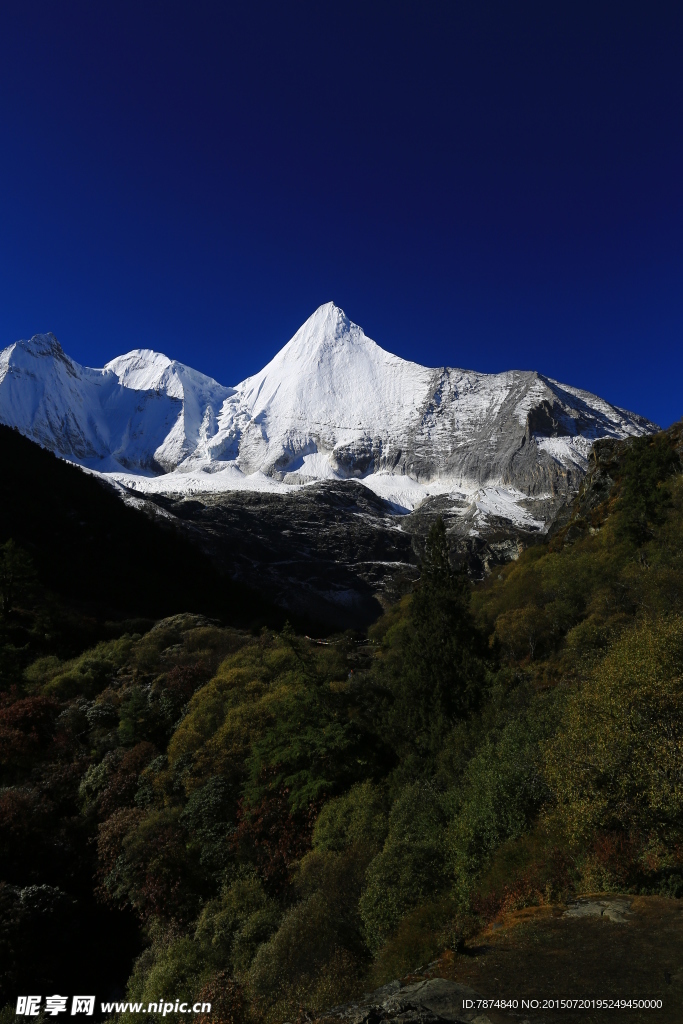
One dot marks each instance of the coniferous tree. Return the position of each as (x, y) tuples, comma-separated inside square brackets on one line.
[(443, 674)]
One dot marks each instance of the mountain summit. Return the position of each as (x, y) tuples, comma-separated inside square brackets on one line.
[(330, 405)]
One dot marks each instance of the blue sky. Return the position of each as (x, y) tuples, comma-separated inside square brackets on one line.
[(487, 185)]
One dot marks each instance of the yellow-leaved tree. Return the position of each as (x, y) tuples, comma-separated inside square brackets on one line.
[(615, 766)]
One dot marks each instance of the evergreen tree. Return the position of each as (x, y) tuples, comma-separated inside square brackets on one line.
[(442, 670)]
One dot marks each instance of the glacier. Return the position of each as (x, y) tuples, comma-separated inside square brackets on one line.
[(332, 405)]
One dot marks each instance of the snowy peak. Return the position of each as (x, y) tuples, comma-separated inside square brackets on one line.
[(331, 376), (331, 404), (327, 337), (201, 399), (37, 354), (320, 339), (81, 413), (143, 369), (326, 325), (146, 370), (38, 346), (327, 328)]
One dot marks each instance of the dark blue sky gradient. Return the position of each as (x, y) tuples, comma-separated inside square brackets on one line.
[(488, 185)]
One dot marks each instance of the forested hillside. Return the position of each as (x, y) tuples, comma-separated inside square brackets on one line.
[(274, 823)]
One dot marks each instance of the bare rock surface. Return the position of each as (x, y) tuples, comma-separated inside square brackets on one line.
[(430, 1001), (616, 910), (333, 551)]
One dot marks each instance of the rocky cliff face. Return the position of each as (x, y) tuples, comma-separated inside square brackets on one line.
[(333, 551)]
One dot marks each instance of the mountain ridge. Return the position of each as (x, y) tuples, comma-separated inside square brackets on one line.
[(330, 405)]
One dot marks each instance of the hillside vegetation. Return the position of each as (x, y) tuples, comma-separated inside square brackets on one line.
[(274, 823)]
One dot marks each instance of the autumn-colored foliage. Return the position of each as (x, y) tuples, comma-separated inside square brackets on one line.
[(272, 836), (227, 1001), (26, 729)]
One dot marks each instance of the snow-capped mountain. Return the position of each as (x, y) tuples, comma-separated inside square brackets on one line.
[(141, 411), (331, 405)]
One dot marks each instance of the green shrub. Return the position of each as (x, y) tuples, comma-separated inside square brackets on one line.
[(411, 867), (234, 924), (179, 967), (501, 794), (318, 953), (356, 818), (86, 675)]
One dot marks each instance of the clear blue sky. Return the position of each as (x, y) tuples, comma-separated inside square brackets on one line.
[(488, 185)]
